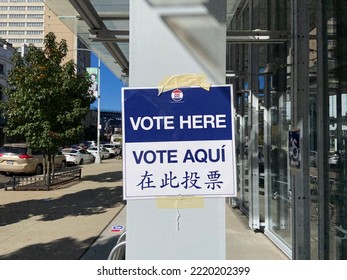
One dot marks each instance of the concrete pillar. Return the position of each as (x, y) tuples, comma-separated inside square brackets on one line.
[(166, 41)]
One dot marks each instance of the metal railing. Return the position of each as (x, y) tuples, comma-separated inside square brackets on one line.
[(118, 251), (38, 182)]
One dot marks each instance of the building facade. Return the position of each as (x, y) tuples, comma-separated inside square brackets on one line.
[(6, 54), (22, 22), (25, 22), (286, 61)]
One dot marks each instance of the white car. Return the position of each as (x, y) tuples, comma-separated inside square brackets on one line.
[(104, 153), (91, 143), (113, 149), (77, 156)]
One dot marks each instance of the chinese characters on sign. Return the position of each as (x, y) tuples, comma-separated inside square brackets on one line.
[(189, 180), (179, 143)]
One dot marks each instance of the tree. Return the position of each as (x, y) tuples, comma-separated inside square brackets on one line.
[(46, 99)]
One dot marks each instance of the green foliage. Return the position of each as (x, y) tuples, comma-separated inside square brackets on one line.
[(46, 100)]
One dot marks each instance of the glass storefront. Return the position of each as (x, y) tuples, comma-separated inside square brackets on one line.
[(336, 72), (325, 136)]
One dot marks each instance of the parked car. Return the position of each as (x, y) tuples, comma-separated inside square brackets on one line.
[(91, 143), (104, 153), (77, 156), (20, 158), (113, 149)]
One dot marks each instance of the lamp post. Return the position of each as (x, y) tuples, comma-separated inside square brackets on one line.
[(98, 158)]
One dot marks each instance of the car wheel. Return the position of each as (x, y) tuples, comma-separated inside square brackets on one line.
[(38, 169), (81, 162), (63, 165)]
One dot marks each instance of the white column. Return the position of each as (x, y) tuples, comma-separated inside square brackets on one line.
[(156, 52)]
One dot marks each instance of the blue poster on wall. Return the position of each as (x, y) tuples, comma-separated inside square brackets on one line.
[(180, 143), (294, 148)]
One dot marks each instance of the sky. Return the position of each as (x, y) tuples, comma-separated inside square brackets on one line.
[(111, 88)]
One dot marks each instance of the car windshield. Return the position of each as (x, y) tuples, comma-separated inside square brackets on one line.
[(92, 149), (13, 150), (69, 151)]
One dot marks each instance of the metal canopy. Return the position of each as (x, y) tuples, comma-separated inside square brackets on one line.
[(257, 36), (103, 25)]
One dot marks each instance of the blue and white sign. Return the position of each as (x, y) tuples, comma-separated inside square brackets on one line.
[(294, 148), (180, 143)]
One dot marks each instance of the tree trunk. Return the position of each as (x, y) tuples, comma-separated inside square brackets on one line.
[(48, 171), (45, 169), (53, 167)]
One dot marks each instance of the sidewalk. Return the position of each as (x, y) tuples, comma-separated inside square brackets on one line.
[(75, 223), (63, 223)]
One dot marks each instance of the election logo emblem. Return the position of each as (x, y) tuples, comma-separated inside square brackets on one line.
[(117, 228), (177, 95)]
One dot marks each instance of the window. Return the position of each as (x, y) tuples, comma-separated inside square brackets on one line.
[(17, 8), (16, 41), (35, 16), (16, 24), (35, 8), (34, 41), (16, 16), (35, 24), (34, 32), (16, 32)]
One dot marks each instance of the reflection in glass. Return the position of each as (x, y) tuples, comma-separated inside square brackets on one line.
[(280, 200), (337, 83)]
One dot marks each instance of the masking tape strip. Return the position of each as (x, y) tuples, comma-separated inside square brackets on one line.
[(177, 81), (180, 202)]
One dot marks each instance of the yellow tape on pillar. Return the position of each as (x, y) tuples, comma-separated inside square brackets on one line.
[(186, 80), (180, 202)]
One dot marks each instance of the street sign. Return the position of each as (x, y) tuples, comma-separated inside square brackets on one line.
[(180, 143)]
